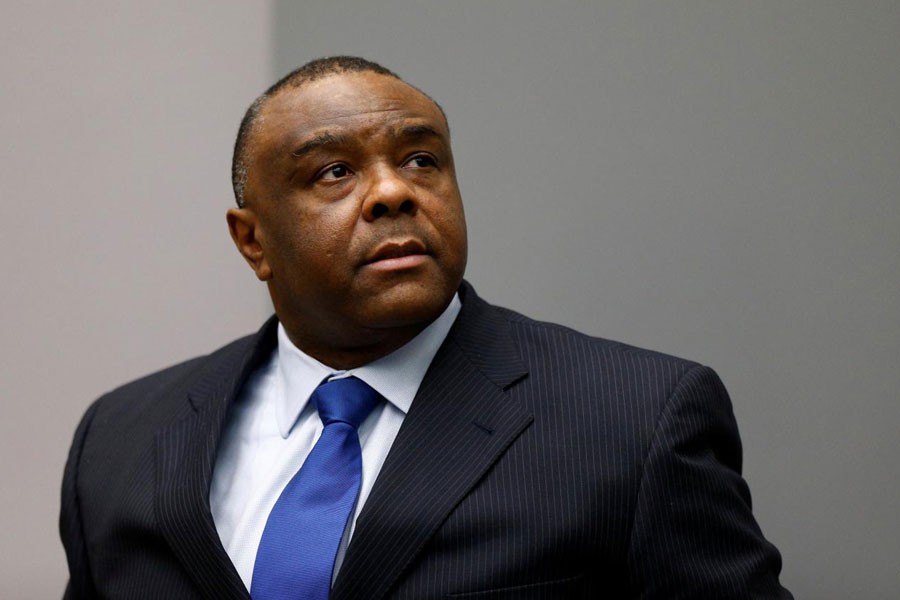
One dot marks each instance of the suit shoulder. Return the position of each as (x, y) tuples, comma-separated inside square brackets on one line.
[(555, 339), (570, 372), (152, 390), (184, 370), (583, 365)]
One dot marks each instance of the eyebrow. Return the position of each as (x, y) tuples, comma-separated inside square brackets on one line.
[(326, 139), (319, 141), (418, 131)]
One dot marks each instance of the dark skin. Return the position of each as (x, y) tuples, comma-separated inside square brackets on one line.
[(352, 215)]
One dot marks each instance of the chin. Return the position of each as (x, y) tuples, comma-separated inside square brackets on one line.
[(408, 306)]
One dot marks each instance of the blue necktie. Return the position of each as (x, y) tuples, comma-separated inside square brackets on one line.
[(296, 554)]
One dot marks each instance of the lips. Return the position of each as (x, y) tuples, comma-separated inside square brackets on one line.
[(393, 249), (397, 256)]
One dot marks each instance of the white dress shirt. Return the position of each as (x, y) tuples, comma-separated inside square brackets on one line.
[(273, 428)]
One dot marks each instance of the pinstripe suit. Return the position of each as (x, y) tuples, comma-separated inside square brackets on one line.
[(535, 462)]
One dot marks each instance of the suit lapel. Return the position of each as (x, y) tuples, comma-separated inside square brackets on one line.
[(186, 453), (460, 424)]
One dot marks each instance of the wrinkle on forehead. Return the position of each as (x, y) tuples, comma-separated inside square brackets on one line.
[(360, 114), (289, 134), (398, 129), (354, 128)]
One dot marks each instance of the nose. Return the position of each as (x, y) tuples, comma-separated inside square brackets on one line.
[(389, 195)]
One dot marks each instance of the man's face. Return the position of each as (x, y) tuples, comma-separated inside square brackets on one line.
[(356, 217)]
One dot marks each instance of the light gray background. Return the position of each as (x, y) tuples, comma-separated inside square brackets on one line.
[(116, 125), (718, 180)]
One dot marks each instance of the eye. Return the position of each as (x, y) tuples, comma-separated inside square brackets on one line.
[(334, 172), (421, 161)]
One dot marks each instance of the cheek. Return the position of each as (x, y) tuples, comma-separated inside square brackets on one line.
[(328, 237), (452, 222), (316, 245), (285, 243)]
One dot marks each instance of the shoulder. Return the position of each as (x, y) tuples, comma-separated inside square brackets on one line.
[(177, 375), (589, 381), (550, 346), (118, 430), (633, 399), (163, 395)]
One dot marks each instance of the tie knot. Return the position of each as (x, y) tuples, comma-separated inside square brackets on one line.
[(348, 400)]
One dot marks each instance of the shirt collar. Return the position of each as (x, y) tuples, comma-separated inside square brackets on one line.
[(396, 376)]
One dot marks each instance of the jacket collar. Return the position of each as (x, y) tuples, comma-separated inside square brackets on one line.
[(461, 422), (186, 453)]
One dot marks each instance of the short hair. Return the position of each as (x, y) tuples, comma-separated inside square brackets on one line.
[(311, 71)]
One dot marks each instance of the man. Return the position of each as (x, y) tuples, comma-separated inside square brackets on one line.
[(499, 457)]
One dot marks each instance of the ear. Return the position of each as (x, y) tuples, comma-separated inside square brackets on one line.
[(247, 235)]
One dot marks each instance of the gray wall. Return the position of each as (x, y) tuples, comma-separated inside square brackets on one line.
[(117, 120), (718, 180)]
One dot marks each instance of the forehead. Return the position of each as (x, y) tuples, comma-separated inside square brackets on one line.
[(347, 101)]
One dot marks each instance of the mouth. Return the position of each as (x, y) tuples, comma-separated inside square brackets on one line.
[(397, 255)]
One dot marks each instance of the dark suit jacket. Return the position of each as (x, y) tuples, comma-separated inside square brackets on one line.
[(535, 462)]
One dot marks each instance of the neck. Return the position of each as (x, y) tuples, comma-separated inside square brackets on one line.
[(347, 356)]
